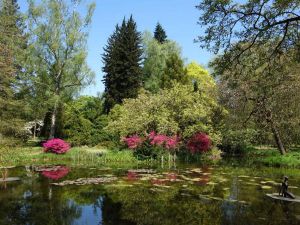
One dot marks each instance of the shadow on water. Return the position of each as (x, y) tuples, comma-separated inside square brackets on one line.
[(188, 194)]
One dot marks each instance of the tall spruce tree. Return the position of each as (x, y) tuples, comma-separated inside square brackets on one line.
[(122, 64), (160, 34), (12, 47)]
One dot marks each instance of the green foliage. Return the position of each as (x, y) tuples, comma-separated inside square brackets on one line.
[(178, 110), (174, 72), (261, 95), (56, 62), (250, 22), (270, 157), (84, 121), (156, 55), (201, 79), (237, 141), (12, 51), (160, 34), (122, 59)]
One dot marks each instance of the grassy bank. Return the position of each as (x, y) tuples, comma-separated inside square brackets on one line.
[(14, 156), (271, 157)]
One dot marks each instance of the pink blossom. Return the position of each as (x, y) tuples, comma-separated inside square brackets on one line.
[(133, 141), (56, 146), (163, 140), (199, 142)]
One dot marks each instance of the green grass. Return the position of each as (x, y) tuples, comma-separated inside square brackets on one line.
[(271, 157), (15, 156)]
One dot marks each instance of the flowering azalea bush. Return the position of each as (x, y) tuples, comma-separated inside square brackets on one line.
[(199, 142), (57, 174), (167, 142), (133, 142), (56, 145), (152, 145)]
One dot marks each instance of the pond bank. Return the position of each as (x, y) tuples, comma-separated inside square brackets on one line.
[(14, 156)]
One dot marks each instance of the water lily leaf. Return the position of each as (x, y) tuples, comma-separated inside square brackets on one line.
[(293, 187), (266, 187), (211, 183), (196, 170), (243, 176), (10, 179)]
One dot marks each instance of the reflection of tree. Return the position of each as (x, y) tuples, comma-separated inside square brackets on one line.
[(145, 207), (111, 213), (30, 203)]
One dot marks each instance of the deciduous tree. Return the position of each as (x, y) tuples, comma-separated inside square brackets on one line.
[(58, 51)]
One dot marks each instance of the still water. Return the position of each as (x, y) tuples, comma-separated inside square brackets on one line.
[(202, 195)]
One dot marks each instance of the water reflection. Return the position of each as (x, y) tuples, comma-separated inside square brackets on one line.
[(206, 196)]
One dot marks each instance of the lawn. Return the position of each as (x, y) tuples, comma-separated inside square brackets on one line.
[(270, 156)]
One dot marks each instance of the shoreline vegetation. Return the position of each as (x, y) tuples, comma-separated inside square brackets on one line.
[(32, 154)]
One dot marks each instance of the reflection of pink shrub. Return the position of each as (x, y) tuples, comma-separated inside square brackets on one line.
[(171, 176), (200, 142), (56, 174), (132, 175), (56, 146)]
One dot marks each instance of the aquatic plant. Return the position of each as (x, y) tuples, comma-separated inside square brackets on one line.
[(199, 142), (56, 145)]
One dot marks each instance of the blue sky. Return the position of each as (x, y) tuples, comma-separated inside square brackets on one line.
[(178, 18)]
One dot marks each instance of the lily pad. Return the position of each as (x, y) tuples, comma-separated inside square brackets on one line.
[(9, 179), (293, 187), (266, 187), (196, 170), (86, 181)]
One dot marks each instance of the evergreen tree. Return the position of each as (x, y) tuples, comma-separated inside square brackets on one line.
[(122, 58), (12, 47), (174, 72), (160, 34)]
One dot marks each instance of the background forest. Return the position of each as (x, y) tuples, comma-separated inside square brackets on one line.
[(153, 100)]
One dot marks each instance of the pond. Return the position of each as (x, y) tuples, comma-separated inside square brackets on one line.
[(187, 194)]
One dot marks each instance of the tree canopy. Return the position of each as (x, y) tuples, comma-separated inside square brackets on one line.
[(249, 23), (178, 110), (155, 58), (57, 51), (160, 34)]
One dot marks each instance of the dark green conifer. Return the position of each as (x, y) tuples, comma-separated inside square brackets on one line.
[(12, 44), (122, 64), (160, 34)]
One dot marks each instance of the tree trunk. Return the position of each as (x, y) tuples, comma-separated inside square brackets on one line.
[(34, 130), (53, 121), (277, 139)]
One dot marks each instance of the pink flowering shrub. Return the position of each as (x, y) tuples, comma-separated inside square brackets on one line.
[(133, 141), (56, 174), (167, 142), (56, 146), (152, 145), (199, 142)]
